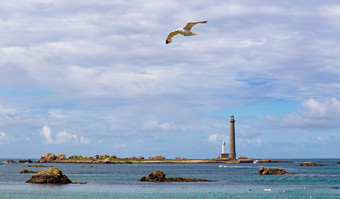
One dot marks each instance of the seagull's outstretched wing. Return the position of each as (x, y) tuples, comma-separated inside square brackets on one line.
[(170, 36), (191, 24)]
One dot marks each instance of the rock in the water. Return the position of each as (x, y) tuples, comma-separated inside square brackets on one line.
[(159, 176), (25, 161), (311, 164), (276, 171), (28, 171), (52, 175), (38, 166), (10, 161)]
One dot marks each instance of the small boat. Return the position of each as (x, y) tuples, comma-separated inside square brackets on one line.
[(256, 161)]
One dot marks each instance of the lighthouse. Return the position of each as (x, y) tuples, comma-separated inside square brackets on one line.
[(223, 147), (232, 151)]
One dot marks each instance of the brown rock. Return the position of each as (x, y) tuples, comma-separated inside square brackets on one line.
[(104, 156), (10, 161), (52, 175), (242, 157), (311, 164), (38, 166), (25, 161), (28, 171), (276, 171), (61, 156), (159, 176), (158, 157), (73, 157)]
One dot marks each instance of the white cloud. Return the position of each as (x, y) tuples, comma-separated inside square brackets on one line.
[(321, 109), (312, 114), (216, 137), (154, 125), (318, 139), (5, 138), (46, 133), (246, 142), (62, 137)]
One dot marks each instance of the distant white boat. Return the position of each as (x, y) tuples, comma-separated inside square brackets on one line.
[(222, 166), (256, 161)]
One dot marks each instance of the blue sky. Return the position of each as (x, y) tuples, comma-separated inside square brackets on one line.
[(96, 77)]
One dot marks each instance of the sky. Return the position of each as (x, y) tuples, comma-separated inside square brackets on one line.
[(96, 77)]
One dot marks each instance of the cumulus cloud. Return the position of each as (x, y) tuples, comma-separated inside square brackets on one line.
[(5, 138), (312, 114), (62, 137), (154, 125), (216, 137)]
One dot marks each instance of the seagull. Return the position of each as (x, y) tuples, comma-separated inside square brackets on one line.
[(186, 31)]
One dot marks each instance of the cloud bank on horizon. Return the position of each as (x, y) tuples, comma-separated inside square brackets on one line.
[(95, 77)]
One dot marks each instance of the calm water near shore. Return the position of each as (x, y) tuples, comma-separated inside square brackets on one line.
[(230, 181)]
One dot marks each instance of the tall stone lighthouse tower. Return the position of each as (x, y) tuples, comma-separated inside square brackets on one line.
[(232, 151)]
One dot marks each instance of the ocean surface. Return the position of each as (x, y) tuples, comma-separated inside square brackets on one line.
[(229, 181)]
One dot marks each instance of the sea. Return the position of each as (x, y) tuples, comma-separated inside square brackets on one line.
[(227, 181)]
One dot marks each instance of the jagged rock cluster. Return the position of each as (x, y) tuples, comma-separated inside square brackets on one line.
[(52, 175), (158, 157), (159, 176), (311, 164), (276, 171), (50, 157)]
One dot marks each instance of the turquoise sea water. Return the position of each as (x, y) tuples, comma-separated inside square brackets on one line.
[(231, 181)]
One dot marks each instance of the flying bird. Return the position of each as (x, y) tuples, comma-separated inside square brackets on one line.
[(186, 31)]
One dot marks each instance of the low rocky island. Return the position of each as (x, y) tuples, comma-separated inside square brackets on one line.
[(311, 164), (276, 171), (159, 176), (113, 159), (28, 171), (38, 165), (49, 176)]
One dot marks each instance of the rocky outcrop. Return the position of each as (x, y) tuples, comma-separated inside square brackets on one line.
[(25, 161), (51, 157), (52, 175), (28, 171), (158, 157), (311, 164), (135, 158), (242, 157), (159, 176), (276, 171), (104, 156), (10, 161)]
